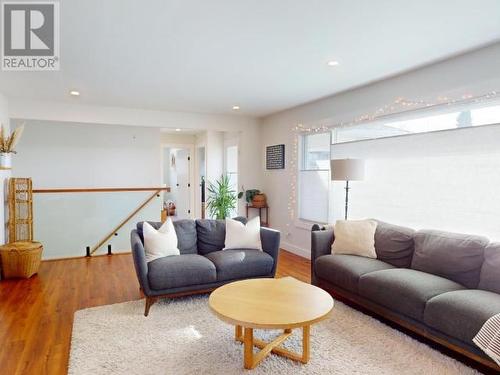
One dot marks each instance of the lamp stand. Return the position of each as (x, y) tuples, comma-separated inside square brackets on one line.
[(346, 197)]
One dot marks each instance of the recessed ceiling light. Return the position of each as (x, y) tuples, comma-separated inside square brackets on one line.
[(332, 63), (236, 107), (74, 93), (177, 130)]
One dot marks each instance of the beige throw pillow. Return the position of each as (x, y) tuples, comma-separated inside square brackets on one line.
[(355, 237)]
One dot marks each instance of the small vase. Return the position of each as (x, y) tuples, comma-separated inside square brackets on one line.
[(5, 160)]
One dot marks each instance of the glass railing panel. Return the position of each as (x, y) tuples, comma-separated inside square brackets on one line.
[(67, 223)]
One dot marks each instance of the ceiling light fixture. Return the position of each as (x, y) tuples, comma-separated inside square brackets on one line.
[(236, 107), (177, 130), (333, 63), (74, 93)]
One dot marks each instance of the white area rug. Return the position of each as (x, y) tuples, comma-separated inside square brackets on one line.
[(183, 337)]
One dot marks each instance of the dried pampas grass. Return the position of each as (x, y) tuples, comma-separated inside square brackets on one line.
[(9, 143)]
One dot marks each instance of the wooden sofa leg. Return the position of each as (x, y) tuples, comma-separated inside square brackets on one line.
[(149, 302)]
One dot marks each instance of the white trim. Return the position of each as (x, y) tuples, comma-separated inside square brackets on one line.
[(296, 250)]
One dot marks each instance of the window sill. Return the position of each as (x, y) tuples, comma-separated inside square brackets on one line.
[(306, 224)]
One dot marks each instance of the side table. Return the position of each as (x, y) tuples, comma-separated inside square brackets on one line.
[(266, 207)]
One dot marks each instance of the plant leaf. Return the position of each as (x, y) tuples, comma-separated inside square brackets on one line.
[(15, 137)]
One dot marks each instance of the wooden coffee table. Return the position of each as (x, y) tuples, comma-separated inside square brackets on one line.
[(270, 304)]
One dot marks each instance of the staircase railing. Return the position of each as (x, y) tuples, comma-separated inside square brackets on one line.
[(115, 207)]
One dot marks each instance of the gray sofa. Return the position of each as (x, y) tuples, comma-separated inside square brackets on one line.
[(443, 286), (202, 265)]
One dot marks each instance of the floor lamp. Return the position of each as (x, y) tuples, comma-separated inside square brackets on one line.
[(347, 170)]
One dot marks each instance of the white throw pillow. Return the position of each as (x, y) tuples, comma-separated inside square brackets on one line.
[(241, 236), (160, 243), (355, 237)]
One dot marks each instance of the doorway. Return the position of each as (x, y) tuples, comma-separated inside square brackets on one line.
[(177, 174)]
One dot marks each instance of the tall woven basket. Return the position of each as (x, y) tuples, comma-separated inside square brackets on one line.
[(20, 209)]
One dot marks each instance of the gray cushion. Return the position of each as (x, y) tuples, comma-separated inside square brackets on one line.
[(345, 270), (211, 235), (404, 290), (457, 257), (186, 234), (490, 272), (238, 264), (462, 313), (180, 270), (394, 244)]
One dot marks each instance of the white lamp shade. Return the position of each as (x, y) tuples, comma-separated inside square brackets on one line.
[(347, 169)]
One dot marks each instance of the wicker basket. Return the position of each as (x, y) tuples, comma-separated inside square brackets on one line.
[(21, 259), (259, 200)]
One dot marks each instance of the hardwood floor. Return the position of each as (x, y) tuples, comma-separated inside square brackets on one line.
[(36, 315)]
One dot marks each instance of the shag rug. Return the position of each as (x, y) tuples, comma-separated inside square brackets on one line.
[(182, 336)]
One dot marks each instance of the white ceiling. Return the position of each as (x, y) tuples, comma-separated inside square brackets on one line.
[(263, 55)]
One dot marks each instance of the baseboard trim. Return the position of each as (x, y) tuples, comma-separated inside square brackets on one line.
[(296, 250), (83, 256)]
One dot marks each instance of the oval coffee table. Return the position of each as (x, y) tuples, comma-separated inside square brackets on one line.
[(270, 304)]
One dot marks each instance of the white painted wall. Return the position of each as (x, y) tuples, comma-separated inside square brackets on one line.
[(446, 180), (474, 73), (178, 139), (4, 174), (214, 157), (62, 154), (247, 127)]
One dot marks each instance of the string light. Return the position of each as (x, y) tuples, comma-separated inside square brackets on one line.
[(398, 106)]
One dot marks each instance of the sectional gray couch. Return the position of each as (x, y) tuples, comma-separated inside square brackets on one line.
[(202, 265), (441, 285)]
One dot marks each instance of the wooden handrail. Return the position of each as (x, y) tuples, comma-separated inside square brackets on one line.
[(125, 221), (100, 190)]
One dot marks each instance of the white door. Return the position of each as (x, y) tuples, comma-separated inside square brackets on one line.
[(183, 186)]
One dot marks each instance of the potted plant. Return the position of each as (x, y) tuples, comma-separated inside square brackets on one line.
[(221, 198), (7, 146), (253, 197)]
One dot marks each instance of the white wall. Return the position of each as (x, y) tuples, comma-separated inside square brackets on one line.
[(446, 180), (214, 152), (4, 174), (75, 155), (178, 139), (474, 73), (62, 154), (247, 127)]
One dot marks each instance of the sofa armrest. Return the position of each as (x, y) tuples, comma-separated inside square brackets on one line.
[(321, 244), (270, 240), (140, 264)]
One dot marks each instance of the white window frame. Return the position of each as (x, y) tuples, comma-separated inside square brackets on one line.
[(301, 167), (421, 113)]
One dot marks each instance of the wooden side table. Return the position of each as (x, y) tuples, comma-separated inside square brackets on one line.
[(266, 207)]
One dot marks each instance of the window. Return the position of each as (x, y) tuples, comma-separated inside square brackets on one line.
[(314, 177), (446, 180), (231, 167), (420, 121)]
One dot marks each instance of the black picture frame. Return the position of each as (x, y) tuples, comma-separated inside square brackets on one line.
[(275, 157)]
